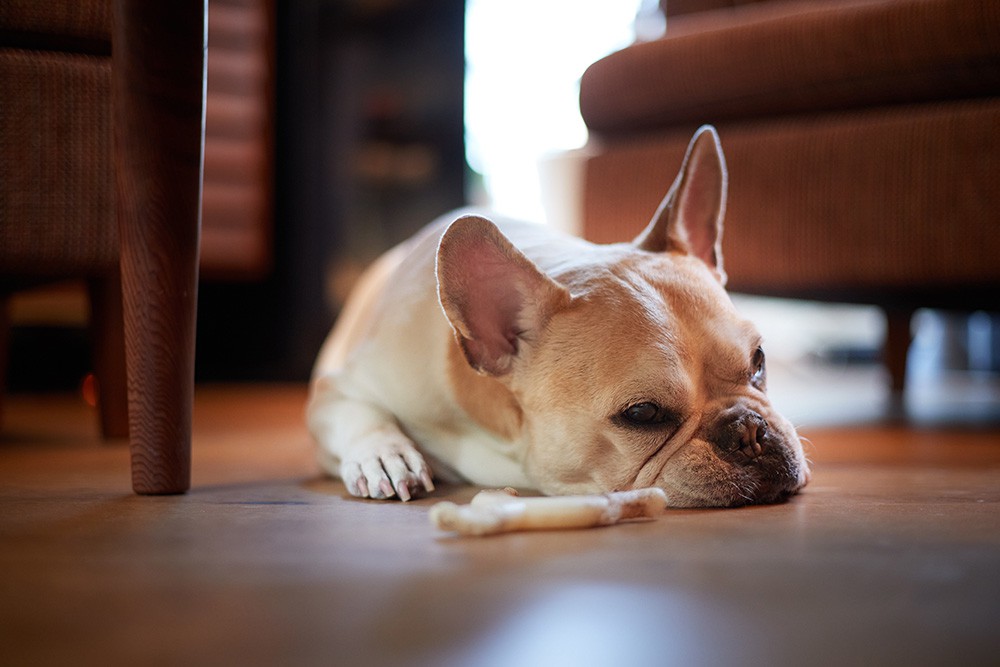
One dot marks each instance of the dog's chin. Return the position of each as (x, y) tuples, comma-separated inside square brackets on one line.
[(703, 480), (723, 495)]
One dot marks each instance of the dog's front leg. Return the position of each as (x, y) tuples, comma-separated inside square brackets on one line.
[(363, 445)]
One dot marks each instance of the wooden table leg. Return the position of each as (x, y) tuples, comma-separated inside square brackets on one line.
[(158, 72)]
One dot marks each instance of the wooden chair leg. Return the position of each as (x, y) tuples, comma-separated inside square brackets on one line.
[(158, 74), (4, 350), (896, 347), (108, 343)]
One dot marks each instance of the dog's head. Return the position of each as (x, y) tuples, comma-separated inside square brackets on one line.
[(628, 364)]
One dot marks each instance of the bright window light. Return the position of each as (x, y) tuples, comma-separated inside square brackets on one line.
[(524, 59)]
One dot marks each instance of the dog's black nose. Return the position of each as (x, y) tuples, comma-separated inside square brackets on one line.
[(741, 431)]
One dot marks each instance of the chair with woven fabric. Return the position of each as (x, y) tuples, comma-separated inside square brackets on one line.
[(101, 155)]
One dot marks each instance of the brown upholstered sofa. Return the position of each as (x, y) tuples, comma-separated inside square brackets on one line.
[(863, 140)]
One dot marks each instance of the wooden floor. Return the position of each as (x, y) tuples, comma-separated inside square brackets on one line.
[(891, 556)]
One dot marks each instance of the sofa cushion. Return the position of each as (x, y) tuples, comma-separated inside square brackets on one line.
[(672, 8), (793, 57), (890, 205)]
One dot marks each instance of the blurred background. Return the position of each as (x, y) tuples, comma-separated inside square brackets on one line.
[(337, 128)]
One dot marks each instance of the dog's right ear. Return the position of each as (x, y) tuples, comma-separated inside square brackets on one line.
[(689, 219), (494, 296)]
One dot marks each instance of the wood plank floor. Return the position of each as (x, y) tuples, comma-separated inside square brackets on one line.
[(891, 556)]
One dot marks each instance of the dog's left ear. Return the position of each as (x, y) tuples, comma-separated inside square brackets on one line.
[(494, 296), (689, 219)]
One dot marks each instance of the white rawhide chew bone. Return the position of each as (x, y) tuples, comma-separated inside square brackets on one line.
[(492, 512)]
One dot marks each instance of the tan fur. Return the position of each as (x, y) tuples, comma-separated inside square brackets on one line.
[(358, 316), (486, 400)]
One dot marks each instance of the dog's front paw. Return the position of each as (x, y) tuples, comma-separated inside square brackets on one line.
[(386, 465)]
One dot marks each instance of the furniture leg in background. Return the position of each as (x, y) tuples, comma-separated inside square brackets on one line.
[(4, 347), (898, 337), (159, 110), (108, 344)]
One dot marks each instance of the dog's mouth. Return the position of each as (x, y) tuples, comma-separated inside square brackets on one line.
[(765, 489), (703, 475), (731, 493)]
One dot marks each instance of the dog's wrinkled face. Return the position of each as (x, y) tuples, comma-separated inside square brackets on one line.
[(653, 379), (629, 364)]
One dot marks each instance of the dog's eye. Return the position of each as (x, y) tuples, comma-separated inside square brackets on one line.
[(641, 413), (758, 377), (646, 413)]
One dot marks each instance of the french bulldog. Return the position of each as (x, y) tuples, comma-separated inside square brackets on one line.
[(507, 354)]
